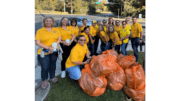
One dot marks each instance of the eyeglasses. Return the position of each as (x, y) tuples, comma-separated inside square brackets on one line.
[(123, 24), (82, 40)]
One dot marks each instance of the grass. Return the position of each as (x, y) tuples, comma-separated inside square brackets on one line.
[(65, 90)]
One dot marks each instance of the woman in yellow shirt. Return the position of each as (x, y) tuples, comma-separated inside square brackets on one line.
[(117, 27), (67, 37), (124, 33), (105, 25), (85, 32), (45, 37), (116, 43), (110, 22), (75, 29), (84, 20), (105, 44), (76, 57)]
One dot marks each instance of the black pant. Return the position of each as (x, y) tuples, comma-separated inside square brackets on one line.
[(65, 55), (96, 44)]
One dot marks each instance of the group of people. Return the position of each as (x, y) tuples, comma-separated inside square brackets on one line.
[(79, 44)]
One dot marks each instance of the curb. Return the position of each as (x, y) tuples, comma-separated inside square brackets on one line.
[(40, 94)]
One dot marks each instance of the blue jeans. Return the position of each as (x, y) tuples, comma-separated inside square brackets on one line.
[(135, 43), (117, 48), (92, 50), (74, 72), (130, 36), (48, 65), (123, 48), (105, 47)]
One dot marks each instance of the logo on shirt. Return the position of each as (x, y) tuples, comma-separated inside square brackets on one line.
[(68, 30), (124, 30), (54, 32)]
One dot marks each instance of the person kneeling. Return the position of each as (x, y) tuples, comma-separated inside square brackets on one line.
[(76, 57)]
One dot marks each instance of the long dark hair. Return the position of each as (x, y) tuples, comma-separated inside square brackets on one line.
[(73, 19), (84, 29), (109, 22)]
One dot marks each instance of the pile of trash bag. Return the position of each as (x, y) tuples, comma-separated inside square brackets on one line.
[(116, 72)]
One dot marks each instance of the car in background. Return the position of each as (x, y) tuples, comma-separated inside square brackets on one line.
[(79, 21)]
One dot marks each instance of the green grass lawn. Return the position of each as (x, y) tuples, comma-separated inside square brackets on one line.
[(65, 90)]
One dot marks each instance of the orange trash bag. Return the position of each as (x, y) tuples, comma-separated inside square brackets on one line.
[(117, 79), (103, 64), (110, 52), (126, 61), (135, 77), (92, 85), (135, 95)]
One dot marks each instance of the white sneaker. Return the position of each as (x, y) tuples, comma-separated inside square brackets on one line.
[(63, 74), (128, 99)]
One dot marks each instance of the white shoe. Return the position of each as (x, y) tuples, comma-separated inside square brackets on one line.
[(63, 74), (128, 99)]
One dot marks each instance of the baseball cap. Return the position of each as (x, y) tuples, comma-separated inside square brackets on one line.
[(94, 21)]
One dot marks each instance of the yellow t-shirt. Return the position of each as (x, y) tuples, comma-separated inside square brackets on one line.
[(124, 32), (117, 29), (66, 34), (75, 30), (135, 30), (82, 28), (46, 37), (86, 36), (77, 54), (97, 28), (92, 31), (128, 26), (112, 37), (102, 33), (105, 29)]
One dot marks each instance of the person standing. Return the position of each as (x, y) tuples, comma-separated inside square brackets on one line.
[(92, 38), (75, 30), (97, 37), (45, 37), (117, 27), (105, 25), (76, 57), (116, 43), (136, 36), (84, 20), (105, 44), (124, 37), (67, 37), (129, 26)]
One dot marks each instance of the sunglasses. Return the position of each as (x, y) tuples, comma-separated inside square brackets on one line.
[(123, 24), (82, 40)]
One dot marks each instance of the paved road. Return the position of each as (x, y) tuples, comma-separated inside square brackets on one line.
[(38, 25)]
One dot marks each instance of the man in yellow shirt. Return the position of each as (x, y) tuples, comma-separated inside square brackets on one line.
[(76, 57), (92, 38), (136, 36), (124, 34)]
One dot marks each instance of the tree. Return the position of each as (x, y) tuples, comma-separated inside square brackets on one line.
[(129, 7)]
